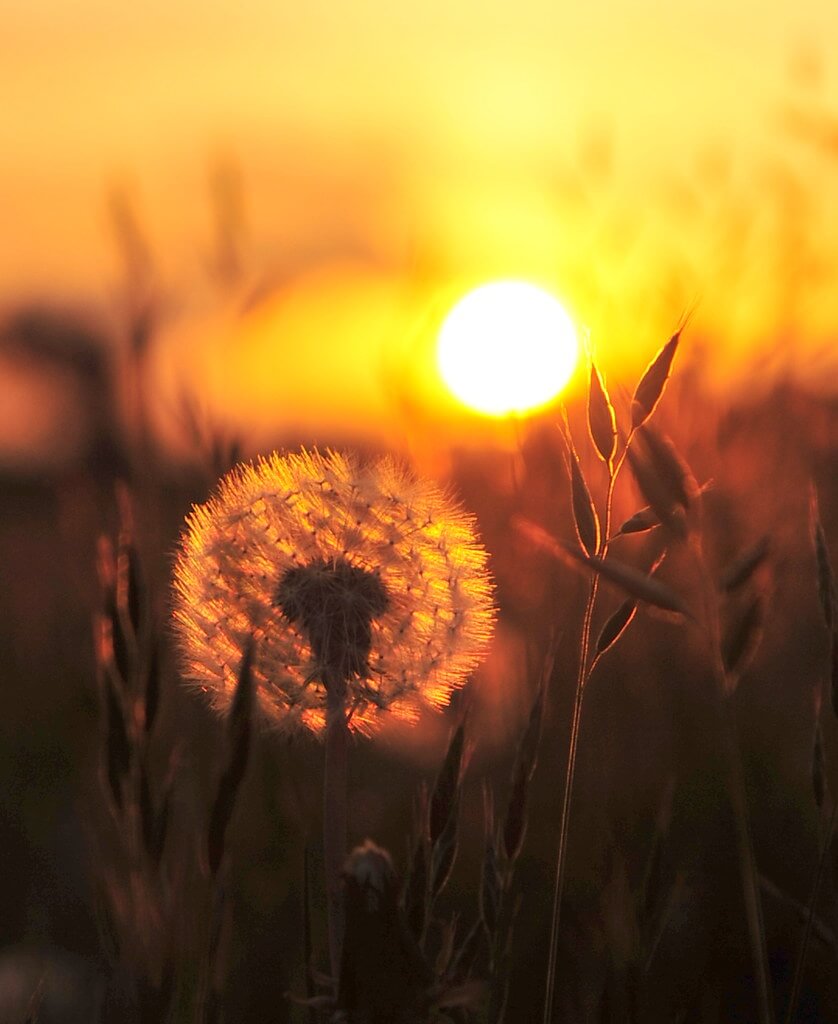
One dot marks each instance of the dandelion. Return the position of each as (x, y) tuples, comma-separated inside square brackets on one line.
[(364, 591), (348, 575)]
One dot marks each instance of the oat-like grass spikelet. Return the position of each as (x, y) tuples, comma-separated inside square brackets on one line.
[(670, 466), (642, 521), (614, 627), (602, 423), (337, 568), (585, 517), (650, 387), (742, 569), (663, 499), (742, 637)]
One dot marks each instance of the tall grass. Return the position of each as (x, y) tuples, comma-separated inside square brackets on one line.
[(498, 884)]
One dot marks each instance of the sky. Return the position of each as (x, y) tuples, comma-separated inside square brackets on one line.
[(642, 159), (99, 93)]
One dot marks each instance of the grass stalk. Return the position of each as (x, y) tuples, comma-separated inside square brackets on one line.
[(583, 676), (800, 962), (736, 789), (747, 863), (564, 822)]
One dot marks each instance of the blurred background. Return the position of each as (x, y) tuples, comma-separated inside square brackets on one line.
[(279, 180), (229, 228)]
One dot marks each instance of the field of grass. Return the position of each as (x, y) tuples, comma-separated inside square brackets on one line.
[(164, 863)]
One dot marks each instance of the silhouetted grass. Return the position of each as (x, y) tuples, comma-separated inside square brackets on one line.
[(670, 855)]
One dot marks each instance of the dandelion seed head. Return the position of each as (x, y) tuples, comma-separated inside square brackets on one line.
[(356, 572)]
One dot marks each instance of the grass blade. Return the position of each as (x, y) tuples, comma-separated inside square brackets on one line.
[(444, 798)]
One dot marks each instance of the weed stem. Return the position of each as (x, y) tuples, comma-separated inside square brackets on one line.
[(335, 817), (800, 962), (737, 790), (583, 676)]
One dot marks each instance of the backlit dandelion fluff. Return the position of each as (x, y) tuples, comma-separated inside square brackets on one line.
[(352, 577)]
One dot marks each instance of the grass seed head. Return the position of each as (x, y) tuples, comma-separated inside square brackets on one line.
[(670, 466), (650, 387), (602, 423), (742, 569), (615, 626), (585, 517), (742, 637)]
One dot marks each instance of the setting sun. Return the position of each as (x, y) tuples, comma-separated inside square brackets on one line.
[(507, 347)]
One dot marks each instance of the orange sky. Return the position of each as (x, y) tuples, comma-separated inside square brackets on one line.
[(638, 157)]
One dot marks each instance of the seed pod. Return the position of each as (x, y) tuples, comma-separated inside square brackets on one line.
[(659, 494), (651, 384), (638, 584), (601, 420), (584, 511), (643, 520), (743, 568), (742, 637), (615, 626), (669, 465)]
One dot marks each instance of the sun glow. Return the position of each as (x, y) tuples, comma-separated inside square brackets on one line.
[(507, 347)]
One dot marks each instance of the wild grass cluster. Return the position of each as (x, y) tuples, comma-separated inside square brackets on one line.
[(625, 814)]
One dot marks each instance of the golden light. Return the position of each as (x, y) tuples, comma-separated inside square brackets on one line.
[(507, 347)]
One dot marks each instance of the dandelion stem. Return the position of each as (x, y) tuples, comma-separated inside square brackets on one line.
[(335, 816)]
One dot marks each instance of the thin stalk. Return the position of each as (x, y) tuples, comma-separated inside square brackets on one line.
[(564, 823), (737, 792), (582, 679), (810, 917), (335, 817), (747, 864)]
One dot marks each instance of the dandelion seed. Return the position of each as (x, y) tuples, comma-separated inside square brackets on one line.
[(348, 575)]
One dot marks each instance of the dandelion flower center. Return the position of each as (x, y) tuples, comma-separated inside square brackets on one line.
[(335, 603)]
